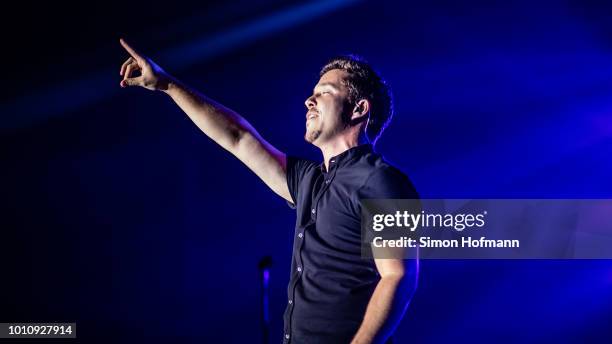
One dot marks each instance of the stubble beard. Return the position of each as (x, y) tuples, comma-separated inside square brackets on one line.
[(312, 135)]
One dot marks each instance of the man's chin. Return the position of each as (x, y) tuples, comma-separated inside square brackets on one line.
[(312, 136), (309, 140)]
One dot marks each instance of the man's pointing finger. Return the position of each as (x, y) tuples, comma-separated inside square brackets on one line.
[(130, 50)]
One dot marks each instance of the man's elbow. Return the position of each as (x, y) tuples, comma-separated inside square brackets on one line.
[(236, 138), (406, 280), (235, 134)]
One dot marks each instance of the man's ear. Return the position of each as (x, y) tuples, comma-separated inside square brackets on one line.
[(361, 110)]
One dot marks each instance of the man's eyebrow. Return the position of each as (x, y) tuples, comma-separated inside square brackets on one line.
[(323, 84)]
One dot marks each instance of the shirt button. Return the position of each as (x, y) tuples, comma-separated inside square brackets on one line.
[(300, 235), (287, 336), (332, 161), (299, 269), (290, 302), (328, 181), (313, 210)]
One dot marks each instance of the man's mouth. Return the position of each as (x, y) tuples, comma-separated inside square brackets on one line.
[(311, 115)]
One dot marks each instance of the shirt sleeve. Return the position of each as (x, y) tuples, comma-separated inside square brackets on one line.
[(297, 168), (387, 182), (390, 184)]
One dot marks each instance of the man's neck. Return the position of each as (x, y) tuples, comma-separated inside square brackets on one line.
[(333, 148)]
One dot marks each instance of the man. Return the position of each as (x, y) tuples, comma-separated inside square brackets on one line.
[(334, 295)]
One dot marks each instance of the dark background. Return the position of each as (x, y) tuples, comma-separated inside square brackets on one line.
[(120, 215)]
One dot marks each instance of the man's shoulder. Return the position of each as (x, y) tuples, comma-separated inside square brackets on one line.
[(379, 166), (389, 179)]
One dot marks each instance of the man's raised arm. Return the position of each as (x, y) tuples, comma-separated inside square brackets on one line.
[(221, 124)]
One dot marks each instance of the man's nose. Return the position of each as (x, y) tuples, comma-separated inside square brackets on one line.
[(309, 102)]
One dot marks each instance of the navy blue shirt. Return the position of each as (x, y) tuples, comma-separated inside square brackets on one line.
[(331, 284)]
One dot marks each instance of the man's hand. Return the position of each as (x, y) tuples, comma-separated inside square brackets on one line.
[(152, 76)]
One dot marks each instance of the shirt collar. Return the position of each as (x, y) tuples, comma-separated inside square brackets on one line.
[(348, 155)]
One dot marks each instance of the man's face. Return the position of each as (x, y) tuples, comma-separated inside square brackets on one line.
[(327, 108)]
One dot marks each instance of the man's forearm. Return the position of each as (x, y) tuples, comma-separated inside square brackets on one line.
[(385, 309), (221, 124)]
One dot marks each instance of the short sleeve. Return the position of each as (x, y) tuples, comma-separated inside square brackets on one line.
[(385, 188), (387, 182), (297, 168)]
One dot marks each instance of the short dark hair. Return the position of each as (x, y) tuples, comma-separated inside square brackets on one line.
[(365, 83)]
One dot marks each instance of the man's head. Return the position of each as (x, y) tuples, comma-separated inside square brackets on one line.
[(349, 100)]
